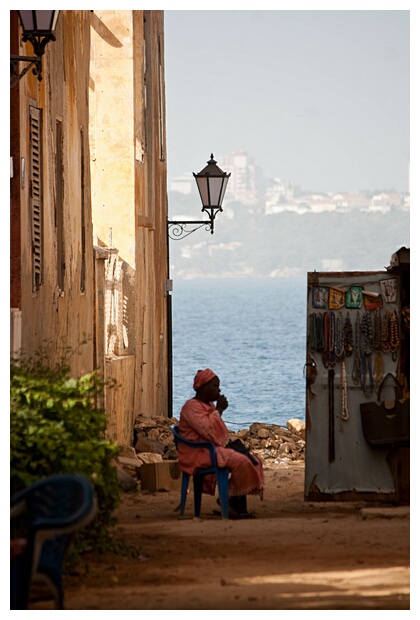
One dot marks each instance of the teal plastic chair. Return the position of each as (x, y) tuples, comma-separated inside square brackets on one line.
[(222, 477), (52, 510)]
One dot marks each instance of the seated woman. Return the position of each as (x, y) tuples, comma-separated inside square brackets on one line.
[(201, 420)]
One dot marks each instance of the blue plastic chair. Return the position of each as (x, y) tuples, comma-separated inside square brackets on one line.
[(222, 477), (53, 509)]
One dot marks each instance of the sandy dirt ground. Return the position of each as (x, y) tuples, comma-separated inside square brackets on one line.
[(295, 555)]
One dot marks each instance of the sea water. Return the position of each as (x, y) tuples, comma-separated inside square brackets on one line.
[(252, 334)]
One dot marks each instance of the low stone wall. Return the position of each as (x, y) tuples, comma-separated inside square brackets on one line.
[(154, 443)]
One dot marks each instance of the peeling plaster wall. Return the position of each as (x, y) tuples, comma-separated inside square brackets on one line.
[(59, 319)]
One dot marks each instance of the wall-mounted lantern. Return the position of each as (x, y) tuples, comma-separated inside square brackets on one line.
[(211, 183), (38, 28)]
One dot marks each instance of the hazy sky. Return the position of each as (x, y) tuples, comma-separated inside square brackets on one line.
[(320, 98)]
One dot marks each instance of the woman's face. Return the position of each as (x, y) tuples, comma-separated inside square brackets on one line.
[(211, 390)]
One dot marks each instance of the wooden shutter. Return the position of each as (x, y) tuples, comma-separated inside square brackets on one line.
[(36, 207)]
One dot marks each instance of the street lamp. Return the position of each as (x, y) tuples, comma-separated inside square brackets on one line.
[(211, 183), (38, 28)]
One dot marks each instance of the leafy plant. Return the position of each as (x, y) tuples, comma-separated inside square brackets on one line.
[(56, 427)]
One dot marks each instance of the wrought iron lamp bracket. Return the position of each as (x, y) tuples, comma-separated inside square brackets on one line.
[(180, 230), (34, 61), (38, 43)]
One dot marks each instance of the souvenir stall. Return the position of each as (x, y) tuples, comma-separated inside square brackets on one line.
[(357, 384)]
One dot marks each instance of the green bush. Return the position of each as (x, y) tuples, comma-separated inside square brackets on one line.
[(56, 427)]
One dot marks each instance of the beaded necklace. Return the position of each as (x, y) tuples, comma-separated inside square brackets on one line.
[(367, 333), (366, 367), (325, 350), (319, 332), (385, 332), (339, 337), (378, 362), (394, 335), (344, 413), (328, 355), (312, 340), (357, 363), (377, 324), (348, 336), (331, 339)]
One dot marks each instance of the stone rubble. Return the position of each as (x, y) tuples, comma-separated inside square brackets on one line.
[(275, 445)]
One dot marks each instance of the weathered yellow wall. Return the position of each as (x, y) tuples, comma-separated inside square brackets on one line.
[(129, 203), (119, 400), (62, 321)]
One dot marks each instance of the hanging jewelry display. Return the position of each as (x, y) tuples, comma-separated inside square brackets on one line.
[(357, 362), (348, 335), (319, 297), (366, 366), (344, 411), (389, 290), (354, 297)]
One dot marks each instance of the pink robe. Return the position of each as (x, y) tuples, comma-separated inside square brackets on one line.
[(201, 422)]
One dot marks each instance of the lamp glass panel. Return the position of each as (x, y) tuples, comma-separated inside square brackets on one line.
[(44, 20), (203, 189), (216, 184), (26, 17), (223, 190), (39, 21)]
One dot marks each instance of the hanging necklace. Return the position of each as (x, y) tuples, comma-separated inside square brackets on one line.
[(312, 339), (358, 354), (348, 336), (394, 336), (377, 323), (328, 355), (385, 331), (367, 333), (366, 367), (378, 362), (319, 332), (344, 412), (339, 337), (326, 329), (331, 337)]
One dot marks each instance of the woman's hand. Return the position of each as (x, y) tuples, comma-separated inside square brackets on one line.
[(221, 404)]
